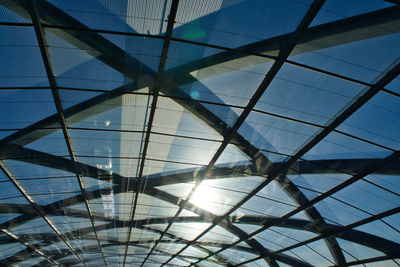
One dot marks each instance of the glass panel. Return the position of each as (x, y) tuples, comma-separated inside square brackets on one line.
[(212, 22), (361, 194), (51, 142), (152, 207), (10, 194), (394, 85), (332, 10), (312, 256), (188, 231), (274, 134), (216, 76), (259, 263), (355, 57), (219, 235), (237, 256), (21, 108), (271, 201), (232, 156), (220, 195), (383, 228), (337, 212), (24, 62), (7, 250), (317, 182), (174, 119), (360, 252), (10, 12), (126, 16), (308, 96), (275, 238), (7, 217), (337, 146), (78, 68), (389, 182), (32, 261), (376, 121), (247, 228), (183, 150), (45, 185)]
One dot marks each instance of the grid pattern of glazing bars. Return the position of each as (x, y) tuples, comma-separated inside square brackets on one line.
[(125, 182)]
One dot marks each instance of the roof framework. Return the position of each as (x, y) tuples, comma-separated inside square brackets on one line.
[(141, 236)]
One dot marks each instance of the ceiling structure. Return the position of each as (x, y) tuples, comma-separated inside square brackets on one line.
[(199, 133)]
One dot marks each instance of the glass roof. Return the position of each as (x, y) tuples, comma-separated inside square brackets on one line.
[(199, 133)]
